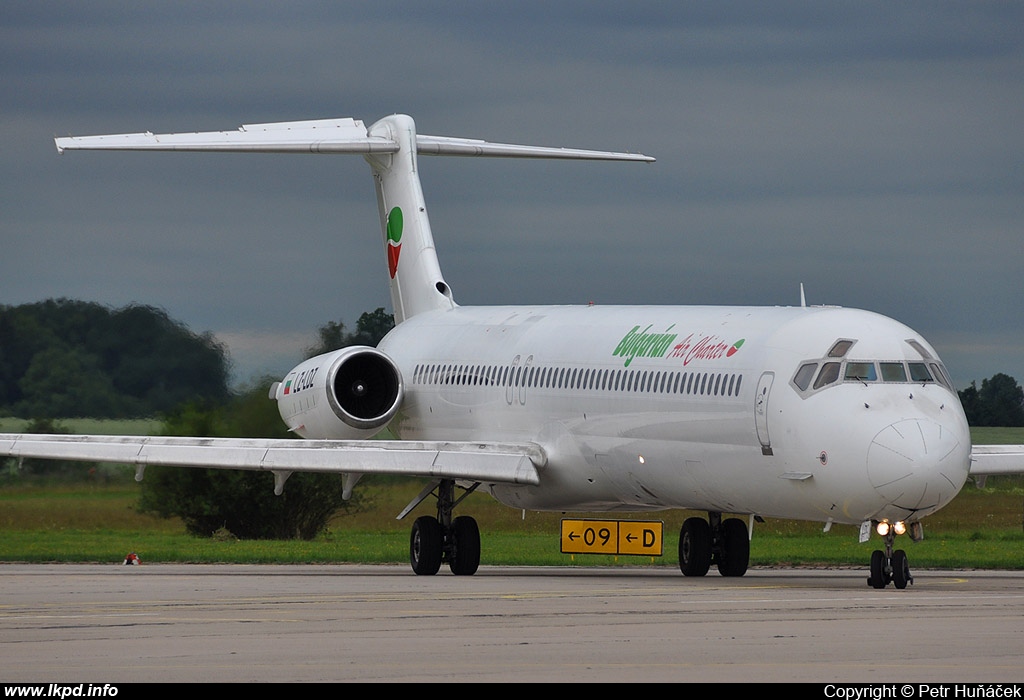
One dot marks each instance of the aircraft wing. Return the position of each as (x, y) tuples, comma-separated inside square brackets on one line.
[(989, 460), (513, 463)]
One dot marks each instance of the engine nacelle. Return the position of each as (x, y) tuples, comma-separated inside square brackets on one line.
[(347, 394)]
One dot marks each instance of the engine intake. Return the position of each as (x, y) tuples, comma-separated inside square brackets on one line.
[(365, 389), (346, 394)]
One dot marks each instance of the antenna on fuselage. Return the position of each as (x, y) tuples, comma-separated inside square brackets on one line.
[(803, 299)]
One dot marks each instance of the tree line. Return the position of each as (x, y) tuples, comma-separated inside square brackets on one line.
[(63, 358), (998, 403)]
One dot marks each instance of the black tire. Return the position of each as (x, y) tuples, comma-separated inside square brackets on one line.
[(734, 556), (465, 546), (878, 578), (425, 546), (695, 547), (900, 569)]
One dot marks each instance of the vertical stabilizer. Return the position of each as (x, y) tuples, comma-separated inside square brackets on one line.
[(415, 275)]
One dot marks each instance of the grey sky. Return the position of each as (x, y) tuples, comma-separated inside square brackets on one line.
[(872, 151)]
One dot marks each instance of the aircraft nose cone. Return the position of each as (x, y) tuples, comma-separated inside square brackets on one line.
[(917, 464)]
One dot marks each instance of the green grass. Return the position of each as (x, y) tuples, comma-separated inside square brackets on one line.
[(100, 523), (997, 436), (97, 426), (97, 520)]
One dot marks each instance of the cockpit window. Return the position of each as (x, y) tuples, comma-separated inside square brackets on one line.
[(920, 348), (827, 371), (840, 348), (919, 372), (893, 372), (828, 374), (860, 371), (804, 375), (940, 374)]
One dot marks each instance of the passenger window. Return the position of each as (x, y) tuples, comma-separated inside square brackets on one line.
[(893, 372), (919, 372), (804, 375), (860, 371)]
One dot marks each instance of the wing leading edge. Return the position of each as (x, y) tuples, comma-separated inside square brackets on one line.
[(991, 460), (512, 463)]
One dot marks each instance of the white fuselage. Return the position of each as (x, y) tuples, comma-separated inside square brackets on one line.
[(653, 407), (815, 413)]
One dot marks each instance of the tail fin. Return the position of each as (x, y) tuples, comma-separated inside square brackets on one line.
[(417, 284), (391, 147)]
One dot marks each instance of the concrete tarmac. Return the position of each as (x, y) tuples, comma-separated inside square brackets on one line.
[(209, 623)]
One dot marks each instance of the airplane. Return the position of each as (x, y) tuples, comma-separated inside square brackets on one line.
[(816, 413)]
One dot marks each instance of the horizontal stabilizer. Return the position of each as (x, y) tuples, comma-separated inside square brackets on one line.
[(345, 136), (447, 146), (510, 463), (320, 136)]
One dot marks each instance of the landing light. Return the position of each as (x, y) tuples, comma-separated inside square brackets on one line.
[(882, 528)]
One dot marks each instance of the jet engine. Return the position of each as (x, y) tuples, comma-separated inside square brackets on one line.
[(347, 394)]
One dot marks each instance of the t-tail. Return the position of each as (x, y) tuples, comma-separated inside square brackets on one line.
[(417, 284), (391, 147)]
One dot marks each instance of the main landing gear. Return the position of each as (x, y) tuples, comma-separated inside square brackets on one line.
[(889, 566), (443, 539), (714, 541)]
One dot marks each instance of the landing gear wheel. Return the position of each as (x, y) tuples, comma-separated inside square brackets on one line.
[(426, 545), (464, 557), (734, 556), (695, 547), (879, 578), (900, 570)]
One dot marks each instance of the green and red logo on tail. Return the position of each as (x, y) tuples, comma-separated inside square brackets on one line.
[(394, 243)]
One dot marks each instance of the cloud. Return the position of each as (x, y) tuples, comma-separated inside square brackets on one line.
[(870, 151)]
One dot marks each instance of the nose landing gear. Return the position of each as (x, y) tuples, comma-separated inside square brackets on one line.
[(889, 566)]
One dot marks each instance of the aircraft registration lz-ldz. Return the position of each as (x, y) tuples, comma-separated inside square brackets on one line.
[(813, 413)]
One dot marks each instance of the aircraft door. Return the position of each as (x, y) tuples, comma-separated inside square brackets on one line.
[(524, 382), (764, 388), (510, 381)]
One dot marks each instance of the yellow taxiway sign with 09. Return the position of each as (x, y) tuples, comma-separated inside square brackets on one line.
[(640, 537)]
